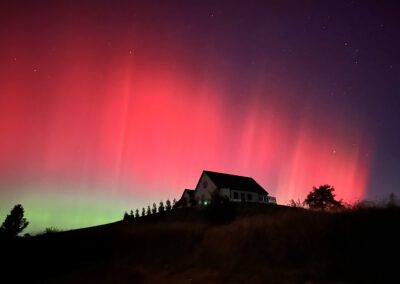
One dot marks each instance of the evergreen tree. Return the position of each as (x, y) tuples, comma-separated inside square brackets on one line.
[(126, 216), (15, 222), (137, 213), (154, 209), (143, 212), (148, 212), (168, 205), (174, 203), (131, 215), (161, 208)]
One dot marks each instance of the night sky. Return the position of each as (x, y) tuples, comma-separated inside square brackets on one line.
[(107, 106)]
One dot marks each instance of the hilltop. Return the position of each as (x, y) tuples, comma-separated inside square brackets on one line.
[(261, 244)]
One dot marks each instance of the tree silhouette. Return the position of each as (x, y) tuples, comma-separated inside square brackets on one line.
[(143, 212), (154, 209), (14, 223), (168, 205), (161, 207), (137, 215), (148, 212), (126, 216), (174, 203), (322, 198), (131, 215)]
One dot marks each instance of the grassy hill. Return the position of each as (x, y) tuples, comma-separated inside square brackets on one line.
[(261, 244)]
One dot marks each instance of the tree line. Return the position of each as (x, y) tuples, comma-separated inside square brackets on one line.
[(150, 210)]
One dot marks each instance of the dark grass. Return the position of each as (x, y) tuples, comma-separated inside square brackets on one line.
[(260, 244)]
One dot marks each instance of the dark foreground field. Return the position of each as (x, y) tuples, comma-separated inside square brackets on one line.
[(262, 244)]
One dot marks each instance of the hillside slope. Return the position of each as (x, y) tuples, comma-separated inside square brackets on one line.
[(262, 244)]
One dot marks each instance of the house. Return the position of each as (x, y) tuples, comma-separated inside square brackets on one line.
[(187, 198), (235, 188)]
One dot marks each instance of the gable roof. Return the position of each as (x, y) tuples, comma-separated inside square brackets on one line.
[(190, 192), (235, 182), (182, 201)]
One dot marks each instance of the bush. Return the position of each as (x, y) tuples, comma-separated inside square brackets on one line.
[(51, 230)]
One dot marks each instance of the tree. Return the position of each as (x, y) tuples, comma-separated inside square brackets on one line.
[(154, 209), (148, 212), (174, 203), (143, 212), (15, 222), (126, 216), (131, 215), (323, 198), (137, 213), (161, 207), (168, 205)]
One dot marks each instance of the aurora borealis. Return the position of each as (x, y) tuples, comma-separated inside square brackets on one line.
[(111, 105)]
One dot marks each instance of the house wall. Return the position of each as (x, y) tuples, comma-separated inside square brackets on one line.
[(187, 197), (249, 196), (225, 192), (204, 188)]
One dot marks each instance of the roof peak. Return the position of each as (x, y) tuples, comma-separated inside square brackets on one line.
[(234, 182), (219, 173)]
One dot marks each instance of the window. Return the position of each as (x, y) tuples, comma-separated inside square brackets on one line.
[(260, 198), (235, 195), (249, 197)]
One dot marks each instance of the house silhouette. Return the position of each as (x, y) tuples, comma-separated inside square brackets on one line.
[(235, 188)]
